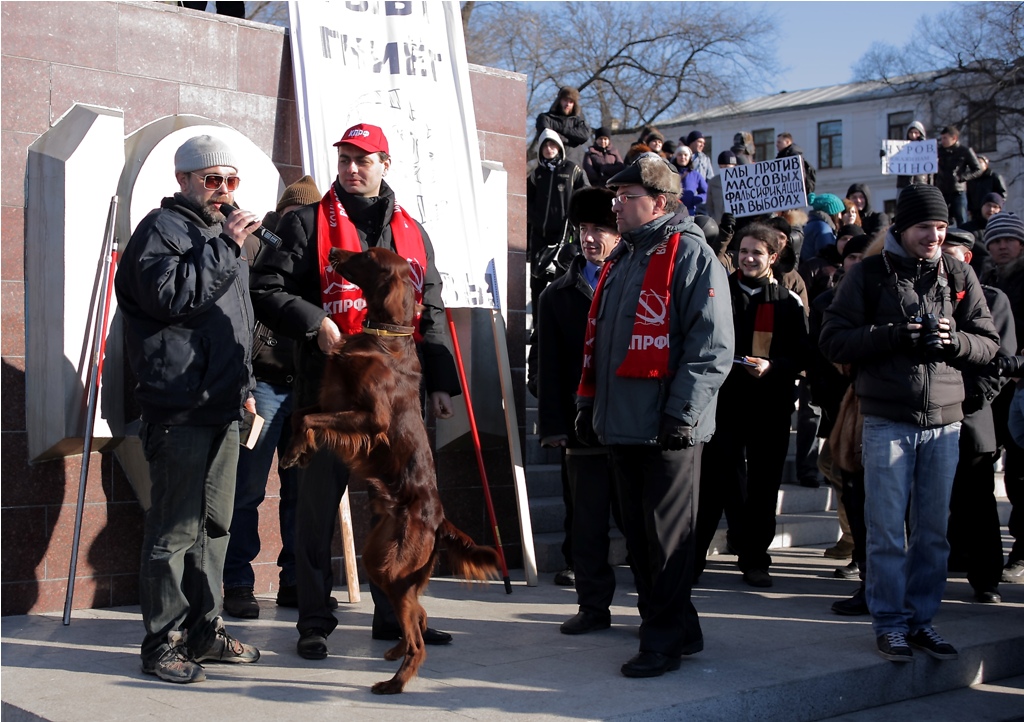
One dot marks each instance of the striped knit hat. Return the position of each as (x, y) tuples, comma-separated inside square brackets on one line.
[(1004, 225)]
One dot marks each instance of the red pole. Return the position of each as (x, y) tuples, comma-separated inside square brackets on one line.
[(479, 453)]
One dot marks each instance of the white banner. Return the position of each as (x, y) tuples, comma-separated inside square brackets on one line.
[(910, 157), (401, 66), (764, 187)]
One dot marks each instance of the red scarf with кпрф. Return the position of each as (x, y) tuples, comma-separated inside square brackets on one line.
[(647, 357), (342, 299)]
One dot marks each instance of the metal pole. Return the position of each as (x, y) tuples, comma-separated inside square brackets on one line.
[(96, 361), (479, 453)]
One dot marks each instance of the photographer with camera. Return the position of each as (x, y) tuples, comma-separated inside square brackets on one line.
[(908, 320)]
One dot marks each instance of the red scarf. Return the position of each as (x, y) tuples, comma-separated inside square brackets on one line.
[(647, 357), (342, 299)]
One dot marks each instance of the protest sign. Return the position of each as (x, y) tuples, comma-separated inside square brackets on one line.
[(765, 187), (910, 157), (401, 66)]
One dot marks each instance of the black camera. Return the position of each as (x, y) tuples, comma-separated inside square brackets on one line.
[(929, 331)]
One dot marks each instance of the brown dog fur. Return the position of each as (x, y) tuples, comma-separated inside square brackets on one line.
[(369, 414)]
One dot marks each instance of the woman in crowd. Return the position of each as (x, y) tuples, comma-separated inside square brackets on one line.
[(695, 187), (820, 230), (602, 159), (742, 465)]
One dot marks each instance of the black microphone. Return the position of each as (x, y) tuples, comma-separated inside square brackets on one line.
[(264, 234)]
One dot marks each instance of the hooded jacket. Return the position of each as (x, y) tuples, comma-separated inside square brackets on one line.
[(923, 179), (916, 386), (183, 288), (548, 190), (871, 221), (629, 410)]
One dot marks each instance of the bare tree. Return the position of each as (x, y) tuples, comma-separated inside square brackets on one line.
[(272, 13), (634, 63), (970, 63)]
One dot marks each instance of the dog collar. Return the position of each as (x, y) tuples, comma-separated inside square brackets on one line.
[(375, 328)]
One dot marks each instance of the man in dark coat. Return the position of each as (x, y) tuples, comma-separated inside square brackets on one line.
[(974, 538), (292, 293), (562, 324), (909, 332), (565, 117), (182, 290), (957, 166), (602, 159), (786, 149)]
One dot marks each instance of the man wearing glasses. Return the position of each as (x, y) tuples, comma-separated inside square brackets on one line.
[(659, 344), (296, 293), (182, 287)]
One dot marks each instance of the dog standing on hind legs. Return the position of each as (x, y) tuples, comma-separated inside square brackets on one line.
[(369, 415)]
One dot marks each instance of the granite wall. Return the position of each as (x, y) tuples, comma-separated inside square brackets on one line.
[(152, 60)]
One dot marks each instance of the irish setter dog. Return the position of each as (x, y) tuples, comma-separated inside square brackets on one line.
[(369, 414)]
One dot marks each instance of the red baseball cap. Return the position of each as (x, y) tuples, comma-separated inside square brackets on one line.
[(365, 137)]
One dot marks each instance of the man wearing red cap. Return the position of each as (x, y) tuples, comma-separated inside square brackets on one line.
[(295, 292)]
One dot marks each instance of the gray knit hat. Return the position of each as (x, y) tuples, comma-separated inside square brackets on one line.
[(1004, 225), (203, 151)]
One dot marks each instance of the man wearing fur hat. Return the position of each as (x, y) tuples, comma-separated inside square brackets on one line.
[(587, 490), (293, 295), (182, 287), (565, 117), (658, 346), (909, 319)]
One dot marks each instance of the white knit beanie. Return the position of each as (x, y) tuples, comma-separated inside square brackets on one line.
[(203, 151)]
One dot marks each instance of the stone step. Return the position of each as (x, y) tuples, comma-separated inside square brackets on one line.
[(548, 548), (791, 530), (544, 480), (537, 454), (547, 514)]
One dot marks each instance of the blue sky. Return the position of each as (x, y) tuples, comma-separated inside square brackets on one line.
[(821, 41)]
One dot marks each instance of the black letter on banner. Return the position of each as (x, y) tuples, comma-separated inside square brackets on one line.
[(397, 8), (391, 58)]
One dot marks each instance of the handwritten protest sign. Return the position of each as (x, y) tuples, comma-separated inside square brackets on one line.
[(765, 187), (910, 157)]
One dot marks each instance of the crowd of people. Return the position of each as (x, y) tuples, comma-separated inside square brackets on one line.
[(677, 340), (672, 343)]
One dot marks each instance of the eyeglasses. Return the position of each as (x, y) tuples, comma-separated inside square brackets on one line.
[(623, 197), (213, 182)]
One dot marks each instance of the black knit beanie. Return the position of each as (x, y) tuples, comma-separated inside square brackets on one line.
[(919, 204)]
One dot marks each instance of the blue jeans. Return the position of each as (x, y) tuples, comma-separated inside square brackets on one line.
[(186, 532), (907, 468), (958, 208), (274, 404)]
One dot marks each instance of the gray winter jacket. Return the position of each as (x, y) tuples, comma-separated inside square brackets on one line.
[(916, 386), (629, 410)]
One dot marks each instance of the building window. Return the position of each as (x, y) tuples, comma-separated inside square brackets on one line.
[(981, 128), (764, 143), (708, 151), (830, 144), (898, 124)]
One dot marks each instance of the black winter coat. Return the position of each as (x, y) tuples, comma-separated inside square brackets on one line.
[(600, 164), (981, 386), (917, 385), (957, 165), (547, 202), (182, 288), (285, 290), (561, 328)]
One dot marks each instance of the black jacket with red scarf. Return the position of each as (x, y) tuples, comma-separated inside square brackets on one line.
[(285, 289)]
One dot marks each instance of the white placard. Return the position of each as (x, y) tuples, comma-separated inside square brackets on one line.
[(764, 187), (401, 66), (910, 157)]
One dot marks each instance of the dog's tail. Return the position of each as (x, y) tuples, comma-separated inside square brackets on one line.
[(468, 560)]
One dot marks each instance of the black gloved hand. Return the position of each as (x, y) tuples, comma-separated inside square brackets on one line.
[(585, 433), (727, 224), (951, 345), (674, 434), (1006, 365), (902, 337)]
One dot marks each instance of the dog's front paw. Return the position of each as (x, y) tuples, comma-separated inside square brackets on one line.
[(389, 687)]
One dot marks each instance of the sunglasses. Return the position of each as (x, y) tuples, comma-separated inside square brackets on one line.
[(213, 182)]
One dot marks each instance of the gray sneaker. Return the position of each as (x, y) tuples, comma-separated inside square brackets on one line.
[(226, 648), (176, 664)]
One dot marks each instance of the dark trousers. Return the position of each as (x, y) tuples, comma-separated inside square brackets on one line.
[(743, 465), (973, 530), (1013, 471), (807, 419), (657, 493), (186, 533), (853, 502), (567, 522), (593, 497), (321, 485)]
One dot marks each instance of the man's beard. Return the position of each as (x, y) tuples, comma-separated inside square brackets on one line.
[(210, 211)]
